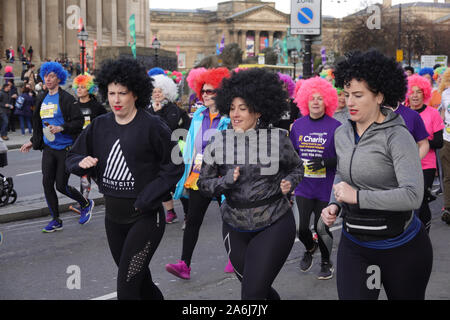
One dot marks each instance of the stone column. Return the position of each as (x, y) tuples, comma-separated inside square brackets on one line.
[(72, 46), (83, 8), (99, 9), (52, 13), (257, 42), (271, 33), (114, 22), (147, 33), (32, 28), (243, 43), (23, 23), (10, 29)]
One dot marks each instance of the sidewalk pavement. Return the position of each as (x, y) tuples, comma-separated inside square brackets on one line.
[(35, 206)]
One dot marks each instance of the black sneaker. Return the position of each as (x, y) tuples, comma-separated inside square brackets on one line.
[(446, 216), (326, 271), (307, 261)]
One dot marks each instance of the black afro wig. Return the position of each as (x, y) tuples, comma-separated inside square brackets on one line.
[(128, 73), (382, 75), (260, 89)]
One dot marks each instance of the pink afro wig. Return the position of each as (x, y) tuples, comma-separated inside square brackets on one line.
[(422, 83), (321, 86), (290, 85), (8, 69), (212, 77), (298, 85), (194, 74)]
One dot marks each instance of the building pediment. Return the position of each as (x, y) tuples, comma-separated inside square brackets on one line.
[(260, 13)]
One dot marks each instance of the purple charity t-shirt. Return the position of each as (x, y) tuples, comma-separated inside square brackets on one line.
[(414, 122), (315, 139)]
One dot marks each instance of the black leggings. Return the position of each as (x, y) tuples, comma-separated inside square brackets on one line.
[(305, 208), (54, 171), (424, 212), (132, 247), (257, 257), (198, 204), (405, 270)]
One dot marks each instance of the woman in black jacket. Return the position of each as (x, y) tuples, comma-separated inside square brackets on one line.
[(258, 223), (129, 152)]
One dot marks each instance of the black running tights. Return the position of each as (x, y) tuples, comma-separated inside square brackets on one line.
[(257, 257), (424, 211), (132, 247), (54, 171), (198, 205), (305, 208), (403, 272)]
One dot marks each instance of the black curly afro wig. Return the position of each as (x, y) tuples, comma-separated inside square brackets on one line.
[(128, 73), (382, 75), (260, 89)]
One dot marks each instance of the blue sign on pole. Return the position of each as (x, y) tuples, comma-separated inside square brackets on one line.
[(305, 16)]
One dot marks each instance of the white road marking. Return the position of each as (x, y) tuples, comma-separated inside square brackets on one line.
[(28, 173), (107, 297)]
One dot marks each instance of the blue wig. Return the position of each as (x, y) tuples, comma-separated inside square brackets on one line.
[(55, 67), (425, 71), (155, 72)]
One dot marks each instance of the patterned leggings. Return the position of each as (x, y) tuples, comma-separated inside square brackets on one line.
[(132, 247)]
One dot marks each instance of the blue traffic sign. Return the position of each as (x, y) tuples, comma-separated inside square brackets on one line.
[(305, 15)]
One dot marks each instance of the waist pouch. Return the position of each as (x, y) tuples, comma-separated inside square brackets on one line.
[(254, 204), (373, 225)]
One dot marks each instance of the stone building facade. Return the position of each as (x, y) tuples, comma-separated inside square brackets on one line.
[(51, 26), (252, 24)]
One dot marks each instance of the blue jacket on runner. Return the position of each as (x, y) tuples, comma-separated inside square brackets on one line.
[(189, 151)]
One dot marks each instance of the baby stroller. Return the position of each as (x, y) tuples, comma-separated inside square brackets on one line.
[(7, 193)]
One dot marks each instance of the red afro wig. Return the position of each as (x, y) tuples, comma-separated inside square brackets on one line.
[(321, 86), (212, 77), (423, 84)]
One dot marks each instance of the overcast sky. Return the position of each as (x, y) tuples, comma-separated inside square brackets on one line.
[(336, 8)]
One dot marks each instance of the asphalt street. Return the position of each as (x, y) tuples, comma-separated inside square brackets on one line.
[(37, 266)]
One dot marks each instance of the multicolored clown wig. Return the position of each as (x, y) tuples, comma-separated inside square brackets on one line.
[(212, 77), (439, 72), (57, 69), (289, 83), (423, 84), (321, 86), (167, 86), (86, 81), (328, 74), (445, 82)]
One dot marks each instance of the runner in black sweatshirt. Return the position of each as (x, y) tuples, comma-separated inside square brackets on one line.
[(129, 153)]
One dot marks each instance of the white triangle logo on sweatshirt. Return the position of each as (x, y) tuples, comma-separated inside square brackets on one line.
[(117, 175)]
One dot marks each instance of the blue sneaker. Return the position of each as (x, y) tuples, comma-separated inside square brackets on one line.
[(53, 226), (1, 237), (86, 213)]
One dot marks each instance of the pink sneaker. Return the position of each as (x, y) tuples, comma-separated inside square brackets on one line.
[(229, 268), (181, 270), (171, 217)]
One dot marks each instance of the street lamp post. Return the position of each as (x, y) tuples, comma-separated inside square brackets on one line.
[(83, 36), (156, 45), (294, 56)]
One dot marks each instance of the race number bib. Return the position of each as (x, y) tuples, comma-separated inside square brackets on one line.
[(87, 121), (319, 174), (48, 111)]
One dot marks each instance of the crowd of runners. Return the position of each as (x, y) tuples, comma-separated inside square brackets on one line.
[(364, 141)]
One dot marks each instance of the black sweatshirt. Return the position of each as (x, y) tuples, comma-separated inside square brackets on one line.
[(134, 159)]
